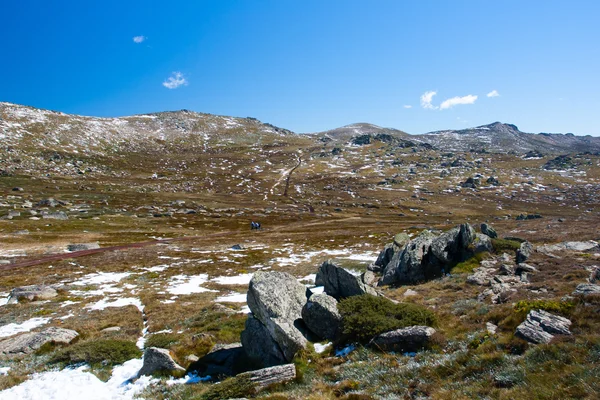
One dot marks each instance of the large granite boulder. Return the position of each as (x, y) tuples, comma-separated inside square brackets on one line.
[(488, 231), (223, 360), (452, 246), (340, 283), (407, 266), (31, 293), (159, 361), (276, 300), (29, 342), (412, 338), (258, 344), (541, 326), (321, 316)]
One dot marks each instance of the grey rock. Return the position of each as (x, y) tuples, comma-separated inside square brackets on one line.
[(340, 283), (491, 328), (407, 266), (266, 377), (321, 316), (60, 215), (452, 246), (522, 267), (541, 326), (31, 293), (507, 269), (369, 278), (258, 344), (482, 243), (594, 275), (401, 240), (586, 289), (31, 341), (489, 231), (159, 360), (524, 252), (83, 246), (589, 245), (412, 338)]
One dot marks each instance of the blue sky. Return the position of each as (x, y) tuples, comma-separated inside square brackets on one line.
[(311, 65)]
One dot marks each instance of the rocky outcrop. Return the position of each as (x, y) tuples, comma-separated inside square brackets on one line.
[(31, 293), (412, 338), (541, 326), (321, 316), (276, 300), (83, 246), (590, 245), (340, 283), (429, 256), (31, 341), (159, 361)]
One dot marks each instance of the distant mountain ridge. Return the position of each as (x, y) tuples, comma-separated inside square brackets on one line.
[(31, 128)]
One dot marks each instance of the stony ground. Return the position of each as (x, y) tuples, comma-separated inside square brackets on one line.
[(186, 291)]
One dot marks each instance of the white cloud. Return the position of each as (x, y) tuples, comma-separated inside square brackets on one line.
[(454, 101), (493, 93), (139, 39), (407, 106), (426, 100), (175, 80)]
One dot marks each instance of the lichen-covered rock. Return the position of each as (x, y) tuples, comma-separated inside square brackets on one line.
[(340, 283), (586, 289), (412, 338), (541, 326), (321, 316), (31, 293), (29, 342), (159, 361), (407, 266)]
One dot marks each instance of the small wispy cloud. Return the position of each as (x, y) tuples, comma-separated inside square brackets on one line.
[(139, 39), (493, 93), (454, 101), (426, 99), (175, 80), (407, 106)]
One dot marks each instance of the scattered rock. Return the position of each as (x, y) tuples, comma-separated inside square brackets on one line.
[(340, 283), (159, 360), (31, 293), (522, 217), (541, 326), (524, 252), (589, 245), (413, 338), (489, 231), (83, 246), (586, 289), (470, 183), (491, 328), (31, 341), (322, 317), (237, 247)]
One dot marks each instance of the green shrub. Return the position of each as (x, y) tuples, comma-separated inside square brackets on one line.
[(162, 340), (505, 245), (98, 352), (366, 316), (553, 306), (467, 266), (237, 387)]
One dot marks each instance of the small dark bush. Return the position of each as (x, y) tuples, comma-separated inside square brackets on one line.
[(98, 352), (366, 316)]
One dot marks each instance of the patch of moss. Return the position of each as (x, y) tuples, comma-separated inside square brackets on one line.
[(505, 245), (366, 316), (552, 306), (467, 266), (98, 352)]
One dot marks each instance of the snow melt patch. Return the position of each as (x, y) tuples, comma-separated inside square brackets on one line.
[(242, 279), (122, 302), (77, 384), (319, 348), (232, 298), (13, 329), (183, 284)]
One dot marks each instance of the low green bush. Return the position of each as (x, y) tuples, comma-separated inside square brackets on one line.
[(162, 340), (98, 352), (552, 306), (505, 245), (366, 316)]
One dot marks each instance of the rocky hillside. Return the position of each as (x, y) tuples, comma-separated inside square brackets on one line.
[(503, 138)]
